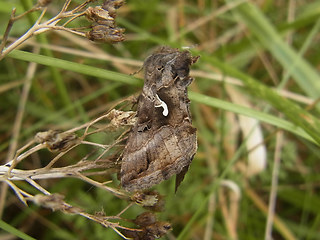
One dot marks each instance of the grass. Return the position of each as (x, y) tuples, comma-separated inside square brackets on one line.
[(263, 55)]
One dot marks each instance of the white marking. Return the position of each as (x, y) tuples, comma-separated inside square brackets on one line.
[(162, 104)]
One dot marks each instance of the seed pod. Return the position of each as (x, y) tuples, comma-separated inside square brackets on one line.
[(102, 33)]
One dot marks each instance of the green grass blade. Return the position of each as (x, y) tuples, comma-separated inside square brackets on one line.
[(75, 67), (56, 75), (286, 106), (8, 228), (264, 117), (304, 75), (298, 116)]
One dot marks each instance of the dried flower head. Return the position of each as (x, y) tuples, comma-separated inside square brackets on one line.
[(151, 228), (100, 16), (112, 5), (44, 3), (57, 141), (145, 199), (103, 33), (151, 200), (156, 230), (104, 28), (120, 118), (145, 219)]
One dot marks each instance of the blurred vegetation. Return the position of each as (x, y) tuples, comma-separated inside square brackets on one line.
[(262, 53)]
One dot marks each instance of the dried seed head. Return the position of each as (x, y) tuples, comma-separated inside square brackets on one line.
[(150, 228), (44, 3), (112, 5), (102, 33), (57, 141), (120, 118), (145, 199), (150, 200), (100, 16), (54, 202), (104, 28), (145, 219), (157, 230), (116, 3)]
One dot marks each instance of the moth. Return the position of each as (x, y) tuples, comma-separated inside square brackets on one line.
[(163, 141)]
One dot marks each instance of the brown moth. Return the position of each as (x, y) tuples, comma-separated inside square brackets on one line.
[(163, 141)]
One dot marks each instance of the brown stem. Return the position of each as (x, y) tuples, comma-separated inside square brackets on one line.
[(8, 29)]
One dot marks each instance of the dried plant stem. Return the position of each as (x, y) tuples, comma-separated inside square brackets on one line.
[(24, 37), (56, 203), (125, 209), (107, 224), (21, 108), (100, 185), (201, 21), (18, 192), (20, 156), (278, 223), (116, 142), (44, 173), (274, 186), (229, 202), (12, 19), (103, 28), (210, 217), (38, 28), (8, 29), (86, 132), (56, 158), (103, 146), (59, 141), (37, 186), (17, 123)]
